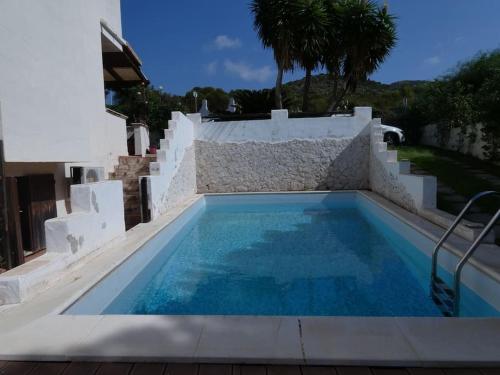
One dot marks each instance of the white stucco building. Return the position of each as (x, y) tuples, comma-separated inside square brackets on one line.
[(56, 59)]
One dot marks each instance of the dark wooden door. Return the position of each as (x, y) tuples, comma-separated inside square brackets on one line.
[(16, 254), (37, 203), (5, 261)]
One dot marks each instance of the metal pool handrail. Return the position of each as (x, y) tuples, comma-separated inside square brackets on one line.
[(465, 258), (453, 226), (455, 293)]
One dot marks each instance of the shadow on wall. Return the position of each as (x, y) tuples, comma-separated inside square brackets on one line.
[(350, 169), (294, 165)]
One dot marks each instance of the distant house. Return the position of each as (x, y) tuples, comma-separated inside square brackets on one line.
[(56, 60)]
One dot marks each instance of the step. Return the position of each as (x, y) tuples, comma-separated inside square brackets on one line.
[(162, 156), (164, 144), (156, 168), (382, 146), (443, 296), (133, 174), (129, 168), (127, 199), (132, 213)]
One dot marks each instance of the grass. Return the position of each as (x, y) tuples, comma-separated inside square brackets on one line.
[(450, 169)]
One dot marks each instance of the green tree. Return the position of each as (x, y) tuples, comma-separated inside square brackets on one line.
[(467, 96), (218, 99), (274, 23), (361, 37), (256, 101), (148, 105), (311, 28)]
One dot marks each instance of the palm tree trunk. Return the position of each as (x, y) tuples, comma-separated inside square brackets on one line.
[(277, 91), (307, 86), (337, 98)]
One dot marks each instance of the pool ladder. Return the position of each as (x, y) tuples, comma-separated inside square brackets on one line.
[(446, 298)]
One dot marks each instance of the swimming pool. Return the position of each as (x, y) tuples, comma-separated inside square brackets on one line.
[(316, 254)]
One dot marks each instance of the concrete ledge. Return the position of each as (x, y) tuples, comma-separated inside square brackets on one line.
[(259, 340), (466, 229)]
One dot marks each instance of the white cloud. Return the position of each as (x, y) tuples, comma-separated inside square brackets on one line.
[(433, 60), (223, 41), (211, 68), (247, 72)]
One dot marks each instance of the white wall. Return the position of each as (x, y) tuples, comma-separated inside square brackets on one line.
[(112, 15), (281, 129), (109, 141), (97, 217), (392, 178), (173, 175), (141, 139), (456, 141), (51, 75)]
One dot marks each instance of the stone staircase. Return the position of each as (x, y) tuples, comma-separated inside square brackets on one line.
[(129, 169)]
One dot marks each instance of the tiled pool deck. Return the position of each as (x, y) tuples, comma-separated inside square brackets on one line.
[(35, 331), (96, 368)]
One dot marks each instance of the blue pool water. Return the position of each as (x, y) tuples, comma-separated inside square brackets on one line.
[(326, 257)]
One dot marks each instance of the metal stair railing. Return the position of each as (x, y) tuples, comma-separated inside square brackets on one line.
[(438, 285)]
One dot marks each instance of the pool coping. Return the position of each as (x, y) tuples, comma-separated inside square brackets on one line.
[(35, 331)]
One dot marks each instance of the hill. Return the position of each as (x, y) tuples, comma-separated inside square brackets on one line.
[(385, 99)]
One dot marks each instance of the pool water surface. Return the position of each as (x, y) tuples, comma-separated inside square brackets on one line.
[(306, 257)]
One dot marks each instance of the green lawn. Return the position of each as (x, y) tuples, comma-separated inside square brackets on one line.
[(451, 169)]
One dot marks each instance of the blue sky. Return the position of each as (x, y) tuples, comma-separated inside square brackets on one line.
[(212, 43)]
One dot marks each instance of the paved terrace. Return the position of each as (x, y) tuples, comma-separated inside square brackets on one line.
[(96, 368)]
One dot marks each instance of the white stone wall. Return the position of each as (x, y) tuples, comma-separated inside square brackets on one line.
[(296, 165), (173, 175), (97, 217), (109, 143), (141, 139), (392, 178), (284, 154), (456, 141), (52, 86), (281, 129)]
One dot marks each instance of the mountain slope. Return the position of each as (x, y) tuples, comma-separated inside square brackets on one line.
[(384, 98)]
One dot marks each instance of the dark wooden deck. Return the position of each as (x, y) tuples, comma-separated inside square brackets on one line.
[(88, 368)]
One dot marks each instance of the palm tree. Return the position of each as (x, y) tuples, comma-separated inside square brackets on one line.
[(362, 38), (273, 22), (311, 27)]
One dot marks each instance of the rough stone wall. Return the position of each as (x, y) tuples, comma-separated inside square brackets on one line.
[(294, 165), (386, 183)]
